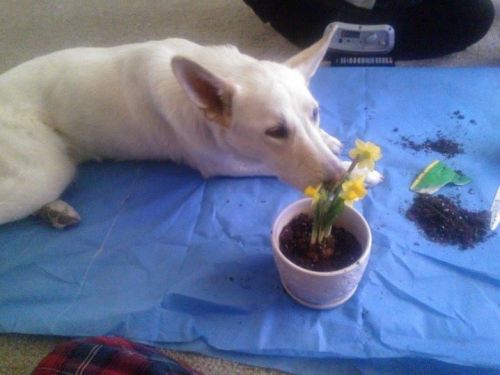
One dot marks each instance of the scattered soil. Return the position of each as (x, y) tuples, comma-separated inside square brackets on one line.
[(458, 115), (442, 220), (338, 251), (442, 145)]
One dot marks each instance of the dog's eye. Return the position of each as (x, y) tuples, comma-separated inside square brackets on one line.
[(279, 132), (315, 114)]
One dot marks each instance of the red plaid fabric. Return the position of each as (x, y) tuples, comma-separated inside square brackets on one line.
[(109, 356)]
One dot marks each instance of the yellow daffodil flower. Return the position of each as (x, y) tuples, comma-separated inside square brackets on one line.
[(353, 190), (313, 192), (366, 153)]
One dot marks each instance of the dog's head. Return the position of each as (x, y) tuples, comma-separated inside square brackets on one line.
[(264, 112)]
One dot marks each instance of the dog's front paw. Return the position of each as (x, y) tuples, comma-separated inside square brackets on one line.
[(333, 143), (372, 178)]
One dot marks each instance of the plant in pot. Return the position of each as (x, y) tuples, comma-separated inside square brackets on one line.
[(321, 244)]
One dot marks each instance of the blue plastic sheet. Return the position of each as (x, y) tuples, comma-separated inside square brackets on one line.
[(164, 256)]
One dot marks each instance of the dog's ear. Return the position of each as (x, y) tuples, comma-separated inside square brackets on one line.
[(211, 94), (307, 61)]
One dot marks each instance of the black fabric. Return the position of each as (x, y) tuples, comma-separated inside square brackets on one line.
[(384, 4), (424, 28)]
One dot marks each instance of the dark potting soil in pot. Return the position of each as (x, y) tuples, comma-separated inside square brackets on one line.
[(444, 221), (338, 251)]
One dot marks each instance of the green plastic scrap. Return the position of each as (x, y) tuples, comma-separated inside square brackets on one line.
[(435, 176)]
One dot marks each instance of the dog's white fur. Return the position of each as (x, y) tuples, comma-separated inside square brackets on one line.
[(213, 108)]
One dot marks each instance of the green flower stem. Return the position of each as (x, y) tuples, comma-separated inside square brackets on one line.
[(328, 207), (316, 222), (338, 185)]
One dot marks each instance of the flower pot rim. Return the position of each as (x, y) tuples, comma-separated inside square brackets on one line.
[(349, 268)]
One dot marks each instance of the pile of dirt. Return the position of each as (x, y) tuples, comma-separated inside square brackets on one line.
[(441, 145), (444, 221)]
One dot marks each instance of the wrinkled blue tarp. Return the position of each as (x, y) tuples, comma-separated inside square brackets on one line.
[(163, 256)]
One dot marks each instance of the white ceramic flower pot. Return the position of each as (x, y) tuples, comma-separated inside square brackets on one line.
[(321, 290)]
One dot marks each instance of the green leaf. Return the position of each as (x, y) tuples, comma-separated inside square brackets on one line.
[(334, 211)]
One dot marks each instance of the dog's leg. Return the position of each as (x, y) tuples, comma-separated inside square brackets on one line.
[(225, 164), (333, 143), (238, 170), (34, 170)]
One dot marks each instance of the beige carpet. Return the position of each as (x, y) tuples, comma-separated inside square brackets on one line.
[(29, 28)]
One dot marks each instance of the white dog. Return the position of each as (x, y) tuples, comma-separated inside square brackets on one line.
[(213, 108)]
